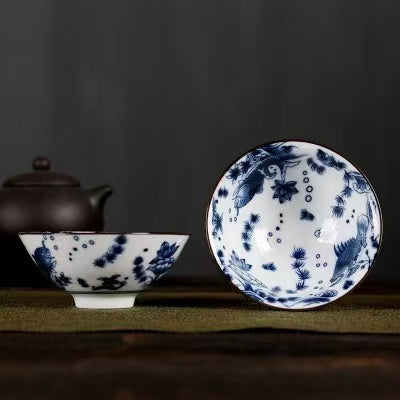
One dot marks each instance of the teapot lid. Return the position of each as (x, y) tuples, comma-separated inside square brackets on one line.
[(42, 176)]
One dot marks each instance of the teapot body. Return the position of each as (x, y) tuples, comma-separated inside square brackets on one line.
[(25, 209)]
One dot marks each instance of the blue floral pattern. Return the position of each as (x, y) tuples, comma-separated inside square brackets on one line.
[(237, 270), (296, 217), (265, 163), (164, 259), (240, 263), (43, 258), (159, 265), (126, 265), (353, 180), (284, 190)]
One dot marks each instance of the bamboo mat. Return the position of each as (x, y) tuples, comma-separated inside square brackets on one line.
[(163, 311)]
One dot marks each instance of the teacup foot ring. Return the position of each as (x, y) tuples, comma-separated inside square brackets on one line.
[(104, 301)]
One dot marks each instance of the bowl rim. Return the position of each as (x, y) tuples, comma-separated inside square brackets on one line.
[(221, 176), (66, 233)]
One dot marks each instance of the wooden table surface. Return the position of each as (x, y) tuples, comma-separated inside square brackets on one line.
[(237, 365)]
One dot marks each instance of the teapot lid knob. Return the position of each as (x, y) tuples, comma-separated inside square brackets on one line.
[(41, 163), (41, 176)]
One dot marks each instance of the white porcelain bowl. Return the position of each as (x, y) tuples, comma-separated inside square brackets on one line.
[(104, 270), (294, 225)]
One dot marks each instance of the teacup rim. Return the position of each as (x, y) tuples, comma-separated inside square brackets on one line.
[(66, 233)]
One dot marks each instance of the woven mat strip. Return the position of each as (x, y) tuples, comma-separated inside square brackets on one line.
[(53, 311)]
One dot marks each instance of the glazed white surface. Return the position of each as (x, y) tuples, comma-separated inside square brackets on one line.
[(75, 255), (280, 230)]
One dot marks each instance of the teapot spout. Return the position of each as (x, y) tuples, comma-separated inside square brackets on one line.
[(98, 196)]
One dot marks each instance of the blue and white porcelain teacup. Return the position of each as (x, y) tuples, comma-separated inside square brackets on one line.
[(294, 225), (104, 270)]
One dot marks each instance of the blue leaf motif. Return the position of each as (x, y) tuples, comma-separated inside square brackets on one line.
[(329, 293), (223, 192), (347, 284), (254, 218), (234, 173), (216, 219), (299, 253), (247, 246), (110, 283), (248, 229), (240, 263), (319, 169), (305, 215), (338, 211), (346, 192), (112, 253), (269, 266), (61, 279), (329, 160)]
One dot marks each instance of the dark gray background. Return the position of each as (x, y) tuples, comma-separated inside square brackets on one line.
[(157, 97)]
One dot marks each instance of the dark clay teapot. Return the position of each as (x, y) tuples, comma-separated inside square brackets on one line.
[(48, 201), (43, 200)]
